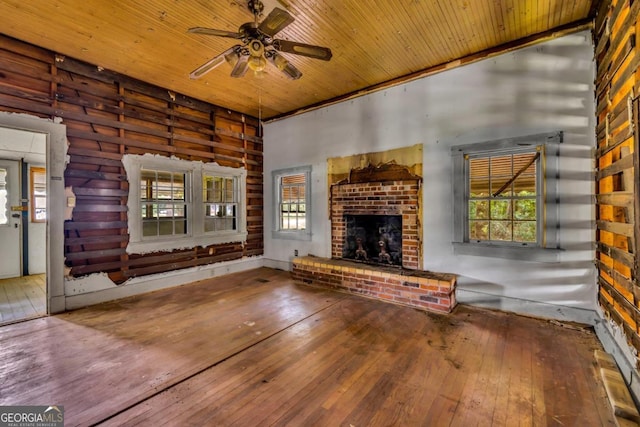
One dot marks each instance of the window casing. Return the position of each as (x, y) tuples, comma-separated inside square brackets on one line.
[(505, 198), (38, 180), (176, 204), (292, 203)]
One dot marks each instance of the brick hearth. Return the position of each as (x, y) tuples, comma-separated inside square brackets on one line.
[(414, 288)]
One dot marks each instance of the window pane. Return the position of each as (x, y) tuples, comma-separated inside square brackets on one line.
[(479, 168), (38, 194), (179, 211), (523, 160), (479, 187), (293, 179), (524, 231), (478, 209), (500, 209), (501, 166), (501, 186), (165, 211), (40, 208), (229, 193), (479, 230), (525, 185), (149, 228), (180, 227), (525, 209), (165, 227), (500, 230), (178, 186), (163, 186)]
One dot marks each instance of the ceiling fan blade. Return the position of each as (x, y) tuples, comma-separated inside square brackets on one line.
[(241, 66), (317, 52), (214, 32), (282, 64), (211, 64), (275, 21)]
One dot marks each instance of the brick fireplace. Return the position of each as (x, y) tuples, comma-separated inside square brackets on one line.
[(376, 243), (383, 199)]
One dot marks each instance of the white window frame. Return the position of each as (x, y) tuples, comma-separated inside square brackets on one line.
[(195, 235), (278, 232), (547, 248)]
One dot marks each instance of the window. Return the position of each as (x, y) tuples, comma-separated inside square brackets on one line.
[(505, 198), (181, 204), (163, 202), (292, 191), (38, 194), (220, 203)]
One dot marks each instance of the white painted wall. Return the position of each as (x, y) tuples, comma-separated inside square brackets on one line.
[(543, 88)]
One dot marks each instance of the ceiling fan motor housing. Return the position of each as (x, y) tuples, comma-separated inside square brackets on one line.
[(259, 45)]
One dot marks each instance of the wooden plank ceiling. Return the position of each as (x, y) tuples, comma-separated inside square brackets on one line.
[(372, 42)]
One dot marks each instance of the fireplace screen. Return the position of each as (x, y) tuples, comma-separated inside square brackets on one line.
[(374, 239)]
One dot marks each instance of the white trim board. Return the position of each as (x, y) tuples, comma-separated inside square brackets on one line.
[(98, 288)]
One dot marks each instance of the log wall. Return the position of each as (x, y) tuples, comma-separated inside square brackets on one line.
[(617, 198), (108, 115)]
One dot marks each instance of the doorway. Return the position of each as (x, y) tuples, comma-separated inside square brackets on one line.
[(23, 292)]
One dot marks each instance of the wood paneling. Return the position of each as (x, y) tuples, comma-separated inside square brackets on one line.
[(108, 115), (617, 174), (253, 349), (372, 42)]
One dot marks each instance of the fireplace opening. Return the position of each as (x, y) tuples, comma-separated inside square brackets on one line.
[(373, 239)]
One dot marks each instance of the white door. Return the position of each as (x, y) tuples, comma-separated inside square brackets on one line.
[(10, 249)]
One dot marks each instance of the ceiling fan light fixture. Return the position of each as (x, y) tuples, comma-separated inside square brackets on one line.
[(232, 58), (280, 62), (257, 63), (256, 48)]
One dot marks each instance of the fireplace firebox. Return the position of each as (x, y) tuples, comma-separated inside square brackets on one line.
[(363, 205), (373, 239)]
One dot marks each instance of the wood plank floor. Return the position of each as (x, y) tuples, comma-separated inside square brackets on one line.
[(254, 349), (22, 298)]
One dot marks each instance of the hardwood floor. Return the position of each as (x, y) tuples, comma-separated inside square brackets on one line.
[(254, 349), (22, 298)]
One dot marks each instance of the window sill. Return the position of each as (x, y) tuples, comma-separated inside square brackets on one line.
[(520, 253), (291, 235)]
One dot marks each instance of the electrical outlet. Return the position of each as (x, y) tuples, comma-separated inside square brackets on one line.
[(295, 252)]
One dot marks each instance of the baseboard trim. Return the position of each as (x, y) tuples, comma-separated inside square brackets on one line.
[(622, 358), (527, 307), (278, 264), (140, 285)]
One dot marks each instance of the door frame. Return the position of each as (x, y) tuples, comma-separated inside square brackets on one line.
[(56, 153)]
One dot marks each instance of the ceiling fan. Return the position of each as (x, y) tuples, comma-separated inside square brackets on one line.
[(259, 45)]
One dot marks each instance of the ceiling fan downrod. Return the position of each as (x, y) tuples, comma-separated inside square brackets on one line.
[(256, 7)]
